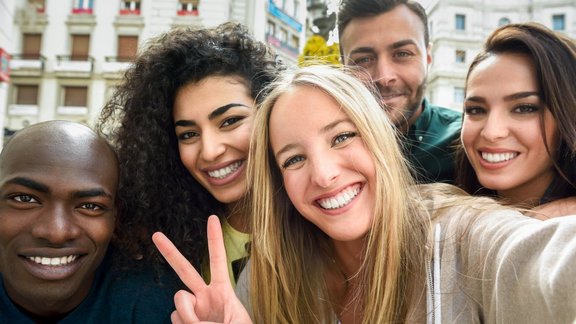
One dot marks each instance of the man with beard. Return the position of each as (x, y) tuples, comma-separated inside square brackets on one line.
[(390, 40)]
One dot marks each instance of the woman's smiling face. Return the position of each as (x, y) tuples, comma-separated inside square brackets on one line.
[(501, 130), (213, 120), (328, 173)]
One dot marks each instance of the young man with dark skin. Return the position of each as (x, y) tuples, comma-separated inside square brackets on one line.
[(390, 40), (58, 183)]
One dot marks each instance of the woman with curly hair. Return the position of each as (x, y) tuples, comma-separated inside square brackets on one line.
[(181, 121)]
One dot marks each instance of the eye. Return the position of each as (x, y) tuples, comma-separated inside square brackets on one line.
[(363, 61), (187, 136), (25, 199), (472, 111), (291, 161), (231, 121), (91, 206), (340, 138), (526, 109), (403, 54)]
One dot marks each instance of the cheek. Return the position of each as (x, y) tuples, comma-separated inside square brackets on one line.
[(469, 133), (188, 156), (294, 188), (100, 229)]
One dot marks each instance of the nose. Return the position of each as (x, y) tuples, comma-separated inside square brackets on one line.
[(325, 171), (56, 225), (495, 127), (384, 73), (212, 146)]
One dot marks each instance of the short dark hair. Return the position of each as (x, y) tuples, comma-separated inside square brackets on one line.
[(350, 9)]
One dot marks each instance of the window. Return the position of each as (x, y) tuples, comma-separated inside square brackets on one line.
[(294, 42), (75, 96), (27, 95), (31, 45), (188, 7), (558, 22), (283, 35), (127, 46), (503, 21), (39, 5), (460, 56), (296, 8), (130, 7), (458, 95), (83, 6), (460, 22), (271, 28), (80, 47)]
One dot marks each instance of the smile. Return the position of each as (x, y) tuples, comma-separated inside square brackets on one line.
[(226, 171), (342, 199), (53, 261), (498, 157)]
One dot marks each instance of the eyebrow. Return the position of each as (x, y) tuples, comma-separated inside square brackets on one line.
[(514, 96), (323, 130), (215, 113), (27, 182), (394, 45), (91, 193), (37, 186)]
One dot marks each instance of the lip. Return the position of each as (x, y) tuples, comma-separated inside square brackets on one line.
[(233, 176), (49, 272), (334, 193), (495, 165)]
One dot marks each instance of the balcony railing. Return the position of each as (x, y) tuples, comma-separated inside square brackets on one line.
[(29, 64), (116, 64), (74, 63)]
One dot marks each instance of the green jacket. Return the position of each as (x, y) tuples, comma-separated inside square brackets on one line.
[(430, 143)]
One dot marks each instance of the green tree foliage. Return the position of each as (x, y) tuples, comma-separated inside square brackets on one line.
[(316, 51)]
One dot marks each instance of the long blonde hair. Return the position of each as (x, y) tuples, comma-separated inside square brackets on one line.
[(290, 255)]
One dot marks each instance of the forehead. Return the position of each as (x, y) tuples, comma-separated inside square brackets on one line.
[(505, 71), (400, 23), (210, 93), (82, 162)]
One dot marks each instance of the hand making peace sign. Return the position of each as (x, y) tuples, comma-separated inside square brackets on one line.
[(212, 303)]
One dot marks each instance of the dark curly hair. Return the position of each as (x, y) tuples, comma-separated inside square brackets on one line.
[(156, 192)]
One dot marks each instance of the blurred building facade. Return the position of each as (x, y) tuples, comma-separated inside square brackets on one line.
[(459, 27), (68, 55)]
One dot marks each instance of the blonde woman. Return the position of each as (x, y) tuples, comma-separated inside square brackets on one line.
[(341, 234)]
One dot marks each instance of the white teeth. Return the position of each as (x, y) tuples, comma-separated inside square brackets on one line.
[(224, 172), (342, 199), (53, 261), (498, 157)]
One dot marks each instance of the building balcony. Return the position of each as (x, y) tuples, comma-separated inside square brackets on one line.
[(282, 46), (115, 66), (129, 12), (72, 110), (193, 12), (73, 66), (27, 65), (23, 110)]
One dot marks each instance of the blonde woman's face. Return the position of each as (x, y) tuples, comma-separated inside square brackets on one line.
[(328, 173), (213, 119), (501, 129)]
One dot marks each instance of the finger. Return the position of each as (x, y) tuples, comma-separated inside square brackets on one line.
[(185, 303), (175, 318), (178, 262), (217, 251)]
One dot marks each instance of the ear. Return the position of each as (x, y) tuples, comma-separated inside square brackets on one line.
[(429, 54)]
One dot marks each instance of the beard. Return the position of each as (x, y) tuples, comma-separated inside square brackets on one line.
[(414, 103)]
